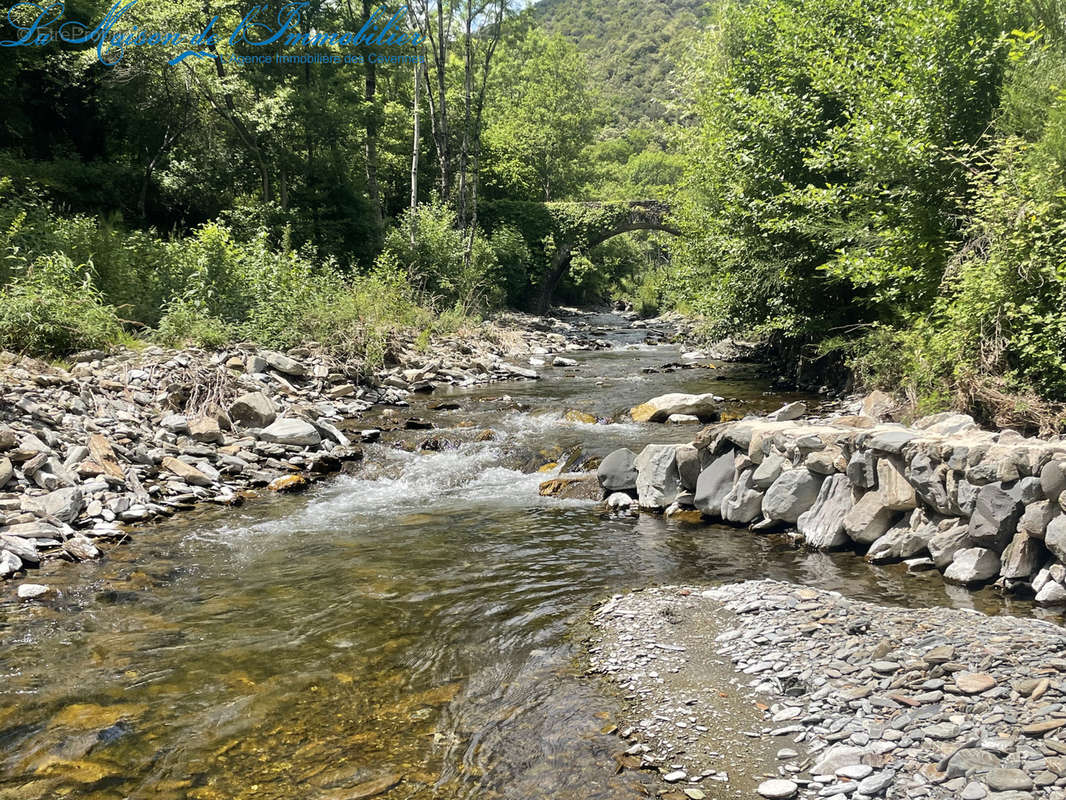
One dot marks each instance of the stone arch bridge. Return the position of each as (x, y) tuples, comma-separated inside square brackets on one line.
[(560, 230)]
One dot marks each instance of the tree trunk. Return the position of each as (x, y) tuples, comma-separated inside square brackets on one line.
[(417, 143), (371, 130)]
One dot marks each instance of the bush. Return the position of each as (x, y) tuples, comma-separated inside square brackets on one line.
[(52, 308)]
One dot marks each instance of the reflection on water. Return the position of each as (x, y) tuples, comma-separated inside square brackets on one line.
[(402, 631)]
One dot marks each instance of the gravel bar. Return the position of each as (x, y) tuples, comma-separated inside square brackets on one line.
[(770, 689)]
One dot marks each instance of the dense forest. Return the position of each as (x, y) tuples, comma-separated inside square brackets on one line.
[(873, 190)]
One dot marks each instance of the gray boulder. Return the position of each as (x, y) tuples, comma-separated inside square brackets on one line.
[(1055, 538), (714, 483), (1022, 557), (254, 410), (905, 539), (292, 432), (1053, 479), (823, 525), (928, 481), (282, 363), (788, 412), (995, 517), (63, 504), (945, 544), (744, 502), (1037, 516), (869, 519), (896, 492), (770, 470), (617, 472), (862, 469), (790, 495), (973, 565), (688, 465), (658, 481), (658, 409)]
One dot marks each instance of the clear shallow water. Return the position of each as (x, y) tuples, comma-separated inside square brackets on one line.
[(412, 621)]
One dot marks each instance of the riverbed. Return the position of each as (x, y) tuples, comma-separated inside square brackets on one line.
[(405, 630)]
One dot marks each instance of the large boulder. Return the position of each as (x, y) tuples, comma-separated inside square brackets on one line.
[(823, 525), (896, 492), (995, 517), (905, 539), (688, 466), (253, 409), (658, 481), (862, 469), (788, 412), (927, 478), (617, 472), (869, 519), (973, 565), (790, 495), (1037, 516), (1055, 538), (659, 409), (1053, 479), (946, 543), (744, 502), (292, 432), (714, 484), (1022, 557), (769, 470)]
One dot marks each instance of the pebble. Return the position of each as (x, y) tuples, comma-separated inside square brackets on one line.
[(31, 591), (778, 789)]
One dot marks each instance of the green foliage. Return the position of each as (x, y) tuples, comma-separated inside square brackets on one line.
[(51, 307), (631, 48)]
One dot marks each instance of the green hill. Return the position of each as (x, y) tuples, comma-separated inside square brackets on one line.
[(632, 47)]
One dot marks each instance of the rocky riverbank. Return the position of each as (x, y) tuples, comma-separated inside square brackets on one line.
[(89, 449), (842, 698), (981, 506)]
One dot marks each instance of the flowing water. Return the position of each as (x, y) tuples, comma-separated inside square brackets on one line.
[(409, 625)]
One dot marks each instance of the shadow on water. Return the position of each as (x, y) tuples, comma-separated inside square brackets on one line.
[(405, 630)]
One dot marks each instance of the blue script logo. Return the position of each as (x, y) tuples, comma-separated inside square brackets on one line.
[(39, 25)]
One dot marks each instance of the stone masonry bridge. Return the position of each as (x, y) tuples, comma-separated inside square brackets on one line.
[(570, 228)]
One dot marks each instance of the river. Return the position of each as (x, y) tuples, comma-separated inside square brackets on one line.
[(411, 622)]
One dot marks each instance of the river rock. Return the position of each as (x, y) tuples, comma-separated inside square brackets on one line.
[(205, 430), (572, 487), (862, 469), (743, 502), (944, 544), (1052, 479), (971, 761), (63, 504), (837, 757), (658, 409), (1022, 557), (1037, 516), (1051, 593), (688, 466), (9, 563), (186, 472), (793, 493), (769, 470), (778, 789), (31, 591), (878, 405), (714, 483), (291, 431), (927, 479), (658, 480), (896, 493), (617, 472), (973, 565), (282, 363), (899, 542), (1008, 780), (869, 519), (1055, 537), (253, 409), (7, 471), (788, 412), (995, 517), (823, 525)]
